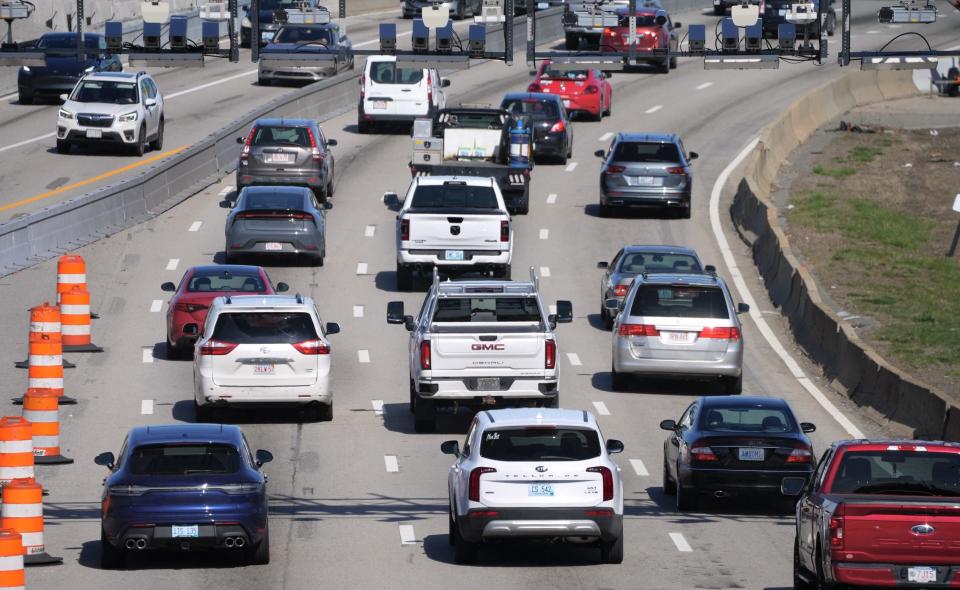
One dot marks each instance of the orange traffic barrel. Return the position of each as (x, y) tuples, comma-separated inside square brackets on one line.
[(41, 410), (46, 349), (16, 448), (22, 511), (75, 319), (11, 560), (71, 272)]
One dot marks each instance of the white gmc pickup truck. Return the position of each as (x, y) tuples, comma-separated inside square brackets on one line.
[(459, 224), (479, 344)]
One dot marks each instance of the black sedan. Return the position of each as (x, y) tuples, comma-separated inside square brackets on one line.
[(62, 72), (550, 122), (734, 444)]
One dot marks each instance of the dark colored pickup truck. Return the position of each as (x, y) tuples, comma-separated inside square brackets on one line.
[(881, 514), (476, 142)]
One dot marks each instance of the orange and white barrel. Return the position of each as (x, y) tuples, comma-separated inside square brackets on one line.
[(16, 449), (45, 362), (71, 272), (11, 560), (75, 316), (42, 410), (22, 511)]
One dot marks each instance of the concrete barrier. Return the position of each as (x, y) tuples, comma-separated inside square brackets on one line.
[(870, 381)]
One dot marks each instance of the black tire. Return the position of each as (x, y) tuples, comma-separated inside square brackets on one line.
[(684, 212), (425, 416), (523, 206), (800, 573), (203, 413), (831, 25), (571, 41), (664, 68), (404, 278), (553, 402), (259, 554), (264, 82), (157, 144), (175, 353), (63, 147), (609, 110), (330, 189), (605, 318), (464, 551), (413, 398), (618, 381), (504, 272), (673, 63), (669, 486), (719, 10), (141, 147), (24, 99), (821, 583), (686, 498), (321, 193), (733, 385), (325, 412), (612, 551), (606, 210), (451, 527), (364, 127), (111, 557), (424, 425)]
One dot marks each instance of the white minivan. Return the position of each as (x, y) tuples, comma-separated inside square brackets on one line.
[(392, 94)]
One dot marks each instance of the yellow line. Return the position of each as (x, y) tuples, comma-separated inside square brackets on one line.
[(96, 178)]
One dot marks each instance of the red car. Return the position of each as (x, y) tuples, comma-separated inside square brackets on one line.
[(881, 514), (582, 91), (655, 30), (188, 307)]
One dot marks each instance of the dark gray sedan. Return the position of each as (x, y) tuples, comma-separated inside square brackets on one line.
[(646, 170), (631, 261), (287, 152), (275, 220)]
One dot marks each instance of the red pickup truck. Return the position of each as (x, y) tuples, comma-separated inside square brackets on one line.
[(881, 514)]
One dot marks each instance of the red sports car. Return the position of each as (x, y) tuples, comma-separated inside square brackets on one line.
[(655, 30), (582, 91), (199, 286)]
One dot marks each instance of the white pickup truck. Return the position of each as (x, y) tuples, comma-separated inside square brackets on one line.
[(457, 224), (480, 344)]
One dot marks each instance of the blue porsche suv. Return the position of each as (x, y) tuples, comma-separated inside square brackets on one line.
[(184, 487)]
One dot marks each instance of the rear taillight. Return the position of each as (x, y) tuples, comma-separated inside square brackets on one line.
[(550, 354), (314, 148), (216, 348), (701, 452), (836, 528), (608, 32), (363, 84), (246, 145), (274, 215), (404, 230), (800, 454), (638, 330), (312, 347), (425, 355), (680, 170), (504, 231), (189, 307), (429, 88), (614, 169), (474, 491), (558, 127), (591, 90), (620, 290), (607, 476), (534, 88), (721, 333)]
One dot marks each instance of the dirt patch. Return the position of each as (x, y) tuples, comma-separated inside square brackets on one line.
[(871, 217)]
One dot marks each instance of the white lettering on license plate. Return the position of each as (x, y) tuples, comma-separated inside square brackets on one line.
[(185, 531), (94, 133), (751, 454), (379, 104), (273, 246), (922, 575), (678, 337), (453, 255), (263, 369), (540, 489)]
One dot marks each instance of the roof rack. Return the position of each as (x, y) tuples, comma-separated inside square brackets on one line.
[(226, 299), (534, 279), (299, 298)]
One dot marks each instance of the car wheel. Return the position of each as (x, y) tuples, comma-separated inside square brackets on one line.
[(463, 551), (174, 352), (363, 127), (664, 68), (330, 189), (264, 81), (572, 41), (553, 402), (451, 527), (24, 99), (404, 278), (822, 583), (618, 381), (686, 498), (259, 554), (425, 416), (733, 385), (63, 147), (609, 110), (606, 210), (325, 412), (800, 573), (157, 144), (673, 63), (524, 205), (203, 413), (111, 557), (831, 26), (612, 551), (320, 193), (413, 398), (684, 211), (562, 160), (504, 272), (669, 486), (141, 146)]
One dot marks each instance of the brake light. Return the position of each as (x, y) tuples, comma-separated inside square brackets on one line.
[(608, 32), (363, 84), (639, 330), (314, 148), (404, 230), (246, 145), (677, 170), (558, 127), (429, 87), (601, 512), (273, 215), (189, 307), (800, 454), (475, 481), (836, 528), (216, 348), (702, 453), (425, 355), (607, 477), (591, 90), (504, 231), (550, 354), (721, 333), (614, 169), (620, 290), (483, 514), (534, 88), (312, 347)]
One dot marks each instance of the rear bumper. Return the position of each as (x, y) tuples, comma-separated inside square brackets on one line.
[(553, 144), (207, 393), (309, 244), (729, 365), (301, 74), (427, 259), (639, 197), (542, 523), (737, 480), (888, 575), (313, 180), (467, 391), (375, 116)]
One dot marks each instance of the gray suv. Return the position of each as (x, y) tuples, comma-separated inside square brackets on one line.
[(644, 170), (678, 325), (287, 152)]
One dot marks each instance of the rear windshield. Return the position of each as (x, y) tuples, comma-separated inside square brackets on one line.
[(639, 262), (487, 309), (535, 109), (281, 135), (554, 74), (387, 72), (747, 419), (184, 459), (264, 327), (455, 196), (316, 35), (643, 20), (681, 301), (272, 201), (226, 282), (643, 151), (540, 444), (919, 473)]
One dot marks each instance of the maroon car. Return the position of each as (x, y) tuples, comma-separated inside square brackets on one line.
[(199, 286)]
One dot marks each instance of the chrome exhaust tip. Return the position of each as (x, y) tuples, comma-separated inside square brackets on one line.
[(130, 544), (228, 542), (141, 543), (720, 494), (240, 542)]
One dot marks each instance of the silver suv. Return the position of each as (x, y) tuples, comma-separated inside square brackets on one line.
[(678, 325), (287, 152)]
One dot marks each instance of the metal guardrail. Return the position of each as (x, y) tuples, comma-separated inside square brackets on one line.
[(73, 223)]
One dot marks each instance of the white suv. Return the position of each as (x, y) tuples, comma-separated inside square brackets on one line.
[(263, 350), (396, 94), (535, 473), (119, 108)]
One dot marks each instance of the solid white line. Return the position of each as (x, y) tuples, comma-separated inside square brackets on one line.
[(146, 406), (705, 85), (747, 298), (209, 85), (601, 408), (226, 190), (369, 231), (872, 32), (544, 271), (544, 234), (652, 110), (377, 406), (9, 96), (362, 268), (407, 536), (358, 311), (551, 198), (680, 542), (147, 355), (173, 263), (639, 467), (571, 167), (605, 136), (156, 305), (363, 356), (26, 141), (574, 359), (390, 461), (195, 226)]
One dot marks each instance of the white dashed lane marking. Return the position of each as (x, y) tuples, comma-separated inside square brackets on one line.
[(652, 110), (358, 311), (363, 356), (146, 406), (605, 136), (377, 405), (551, 198), (544, 234), (544, 271), (226, 191), (571, 167), (369, 231), (705, 85), (361, 268), (574, 359), (407, 536), (147, 354), (639, 467), (601, 408), (156, 305), (390, 462), (680, 542), (173, 264), (195, 226)]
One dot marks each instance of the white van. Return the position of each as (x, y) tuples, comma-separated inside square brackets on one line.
[(392, 94)]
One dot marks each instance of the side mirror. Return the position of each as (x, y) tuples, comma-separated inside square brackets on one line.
[(263, 457), (332, 328), (408, 323), (168, 287), (611, 305), (710, 269), (390, 199), (564, 312), (331, 142), (792, 486), (661, 20), (677, 25), (282, 288), (600, 154), (603, 264), (63, 97), (668, 425), (150, 102), (241, 140), (808, 427), (395, 312), (693, 156), (191, 330), (614, 446), (445, 82), (106, 459), (450, 447), (327, 205), (225, 204), (742, 308)]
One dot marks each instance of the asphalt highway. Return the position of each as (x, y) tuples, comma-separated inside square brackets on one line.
[(341, 515)]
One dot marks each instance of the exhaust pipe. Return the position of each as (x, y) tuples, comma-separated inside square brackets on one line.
[(720, 494), (240, 542), (141, 543), (130, 544), (228, 542)]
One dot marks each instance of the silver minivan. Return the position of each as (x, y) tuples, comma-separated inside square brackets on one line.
[(678, 325)]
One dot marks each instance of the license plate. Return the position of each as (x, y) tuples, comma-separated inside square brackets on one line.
[(453, 255), (273, 246), (678, 337), (278, 158), (185, 531), (94, 133), (643, 180), (542, 5), (566, 104), (922, 575), (263, 369), (488, 383), (379, 104), (783, 12), (540, 489), (266, 35), (751, 454)]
